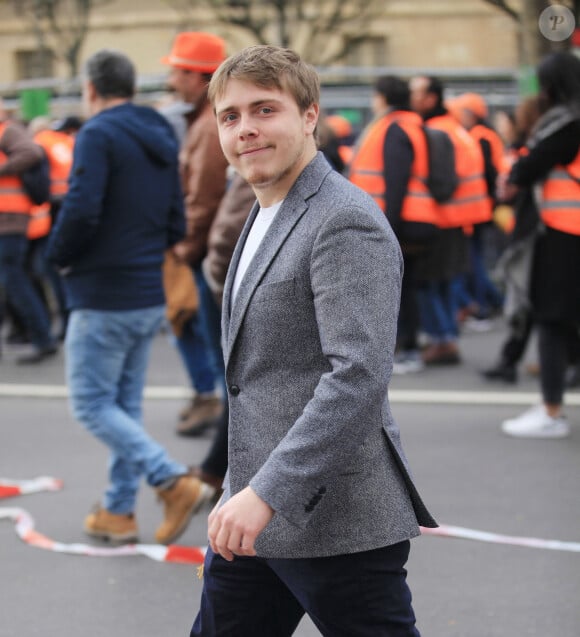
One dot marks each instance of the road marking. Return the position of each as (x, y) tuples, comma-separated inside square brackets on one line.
[(400, 396)]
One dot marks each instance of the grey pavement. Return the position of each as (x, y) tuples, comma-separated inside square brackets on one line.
[(469, 474)]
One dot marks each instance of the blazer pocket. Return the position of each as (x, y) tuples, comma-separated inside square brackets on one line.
[(277, 290)]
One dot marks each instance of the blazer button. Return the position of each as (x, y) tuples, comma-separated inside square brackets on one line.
[(234, 390)]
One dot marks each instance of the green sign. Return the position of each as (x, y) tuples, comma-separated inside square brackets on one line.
[(528, 81), (34, 102)]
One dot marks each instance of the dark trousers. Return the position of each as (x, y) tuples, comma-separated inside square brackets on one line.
[(216, 460), (357, 595), (409, 322), (557, 345), (20, 291)]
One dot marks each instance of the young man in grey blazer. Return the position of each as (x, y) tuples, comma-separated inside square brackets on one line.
[(318, 505)]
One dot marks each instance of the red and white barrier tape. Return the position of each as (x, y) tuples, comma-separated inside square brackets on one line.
[(24, 524), (496, 538), (173, 553), (11, 488), (195, 555)]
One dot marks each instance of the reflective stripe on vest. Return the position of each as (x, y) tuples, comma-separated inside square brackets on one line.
[(470, 203), (13, 199), (560, 207), (40, 221), (367, 167)]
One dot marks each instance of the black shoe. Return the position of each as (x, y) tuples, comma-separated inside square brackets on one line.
[(37, 355), (502, 371)]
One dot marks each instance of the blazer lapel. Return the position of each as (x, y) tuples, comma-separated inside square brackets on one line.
[(292, 209), (286, 218)]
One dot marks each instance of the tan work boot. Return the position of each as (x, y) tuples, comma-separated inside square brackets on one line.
[(203, 411), (180, 502), (112, 527)]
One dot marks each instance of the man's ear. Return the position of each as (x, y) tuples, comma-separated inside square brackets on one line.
[(311, 117), (91, 91)]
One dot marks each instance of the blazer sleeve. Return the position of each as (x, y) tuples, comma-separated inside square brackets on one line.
[(355, 274)]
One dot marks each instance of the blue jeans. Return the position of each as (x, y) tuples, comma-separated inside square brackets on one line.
[(194, 353), (485, 294), (20, 291), (438, 311), (210, 323), (106, 362)]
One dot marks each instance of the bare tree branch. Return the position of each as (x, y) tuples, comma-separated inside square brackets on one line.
[(62, 24), (305, 25), (503, 5)]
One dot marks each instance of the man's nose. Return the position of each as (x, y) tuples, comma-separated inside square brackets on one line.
[(247, 126)]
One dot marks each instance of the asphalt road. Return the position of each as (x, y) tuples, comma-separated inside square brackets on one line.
[(468, 473)]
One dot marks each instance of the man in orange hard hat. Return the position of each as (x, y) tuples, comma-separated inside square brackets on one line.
[(193, 58)]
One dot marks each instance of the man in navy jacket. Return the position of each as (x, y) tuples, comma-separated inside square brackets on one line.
[(124, 208)]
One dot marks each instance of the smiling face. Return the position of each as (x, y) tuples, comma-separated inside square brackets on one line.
[(265, 136)]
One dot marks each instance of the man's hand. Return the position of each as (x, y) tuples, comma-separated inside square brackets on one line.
[(505, 191), (180, 251), (234, 527)]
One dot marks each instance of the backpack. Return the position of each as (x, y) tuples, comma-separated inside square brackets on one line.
[(36, 180), (442, 179)]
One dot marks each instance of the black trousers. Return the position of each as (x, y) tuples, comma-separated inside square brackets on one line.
[(357, 595), (557, 347)]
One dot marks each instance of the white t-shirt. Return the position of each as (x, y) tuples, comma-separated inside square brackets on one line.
[(259, 228)]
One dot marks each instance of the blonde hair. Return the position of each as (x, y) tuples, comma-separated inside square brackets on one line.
[(269, 67)]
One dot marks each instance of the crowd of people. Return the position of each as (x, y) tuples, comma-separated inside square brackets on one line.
[(505, 217), (240, 216)]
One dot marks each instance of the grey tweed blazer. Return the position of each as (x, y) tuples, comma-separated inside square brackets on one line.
[(308, 348)]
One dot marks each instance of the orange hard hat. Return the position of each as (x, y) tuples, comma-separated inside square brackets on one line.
[(475, 103), (196, 51), (339, 125)]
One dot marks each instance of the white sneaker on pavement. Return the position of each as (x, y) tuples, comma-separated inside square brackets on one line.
[(408, 362), (536, 423)]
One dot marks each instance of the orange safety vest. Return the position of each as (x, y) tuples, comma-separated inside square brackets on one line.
[(367, 167), (59, 149), (13, 199), (560, 207), (470, 203), (498, 152), (40, 221)]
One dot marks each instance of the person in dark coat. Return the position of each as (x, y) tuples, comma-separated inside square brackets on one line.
[(552, 167)]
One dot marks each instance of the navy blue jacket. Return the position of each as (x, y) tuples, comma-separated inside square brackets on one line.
[(124, 208)]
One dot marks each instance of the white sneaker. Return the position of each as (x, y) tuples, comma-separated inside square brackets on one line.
[(472, 324), (408, 362), (536, 423)]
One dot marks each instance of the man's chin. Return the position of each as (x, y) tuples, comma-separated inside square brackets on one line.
[(257, 179)]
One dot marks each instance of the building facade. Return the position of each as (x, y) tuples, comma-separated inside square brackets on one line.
[(447, 37)]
